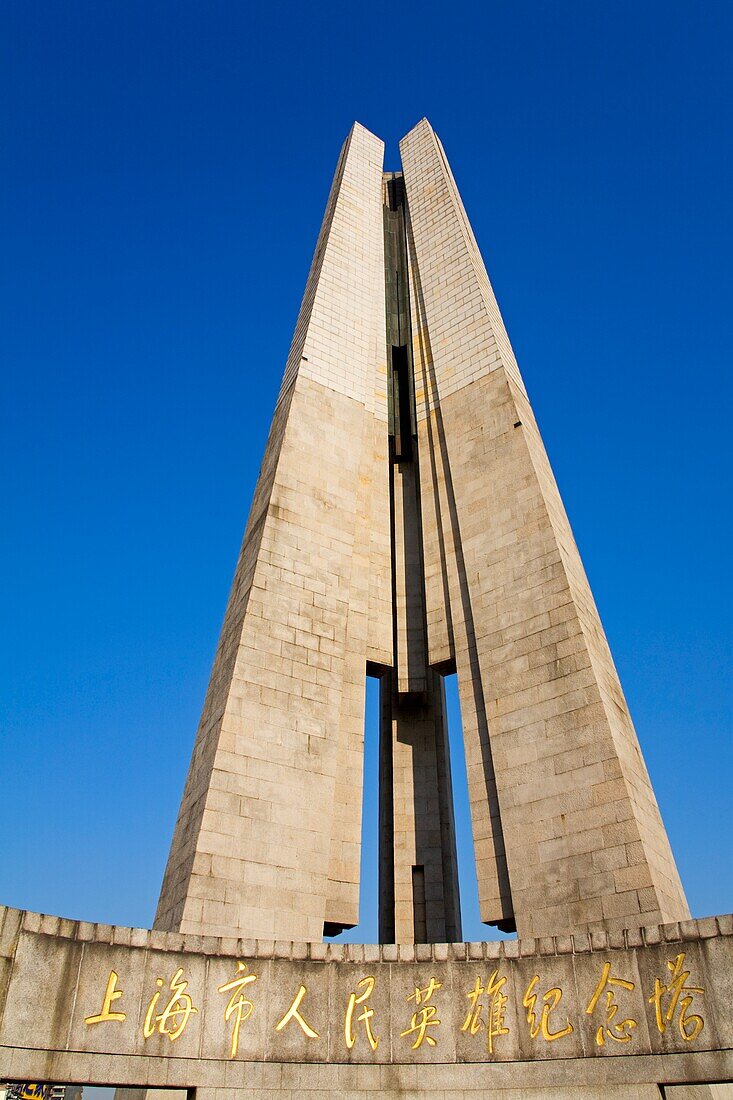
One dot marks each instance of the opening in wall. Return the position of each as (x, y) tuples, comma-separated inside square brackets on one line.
[(473, 928), (420, 916), (401, 403)]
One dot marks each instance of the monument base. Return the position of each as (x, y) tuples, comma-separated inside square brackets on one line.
[(635, 1015)]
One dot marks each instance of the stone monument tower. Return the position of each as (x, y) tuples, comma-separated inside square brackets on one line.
[(406, 524)]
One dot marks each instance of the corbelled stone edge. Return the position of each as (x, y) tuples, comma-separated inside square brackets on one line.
[(15, 921)]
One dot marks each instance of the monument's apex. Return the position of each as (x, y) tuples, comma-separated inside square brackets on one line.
[(423, 124), (359, 126)]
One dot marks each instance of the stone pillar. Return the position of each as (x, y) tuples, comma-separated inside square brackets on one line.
[(267, 842), (566, 827), (418, 897), (418, 888)]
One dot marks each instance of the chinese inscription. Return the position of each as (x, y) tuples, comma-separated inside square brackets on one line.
[(496, 1001), (238, 1006), (425, 1018), (174, 1017), (550, 1000), (667, 1000), (675, 1003), (620, 1032), (293, 1013), (111, 994), (364, 1017)]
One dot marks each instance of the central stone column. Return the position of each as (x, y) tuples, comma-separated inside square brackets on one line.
[(418, 891)]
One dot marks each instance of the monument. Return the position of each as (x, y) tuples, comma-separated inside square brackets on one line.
[(406, 522), (405, 525)]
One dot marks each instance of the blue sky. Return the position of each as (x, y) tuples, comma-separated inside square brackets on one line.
[(166, 168)]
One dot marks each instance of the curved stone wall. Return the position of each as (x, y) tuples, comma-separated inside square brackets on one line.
[(123, 1006)]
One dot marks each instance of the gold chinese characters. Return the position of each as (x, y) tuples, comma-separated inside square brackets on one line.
[(172, 1020), (425, 1018), (111, 994), (620, 1032), (173, 1005), (364, 1017), (550, 1001), (496, 1001), (690, 1025), (293, 1013), (238, 1006)]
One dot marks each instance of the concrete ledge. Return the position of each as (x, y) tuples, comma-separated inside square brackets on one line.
[(14, 920)]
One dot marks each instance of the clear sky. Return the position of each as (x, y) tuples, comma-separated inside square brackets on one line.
[(165, 170)]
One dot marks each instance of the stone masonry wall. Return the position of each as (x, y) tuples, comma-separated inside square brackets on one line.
[(54, 975)]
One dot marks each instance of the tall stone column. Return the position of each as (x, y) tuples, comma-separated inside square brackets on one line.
[(267, 842), (418, 888), (567, 831)]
